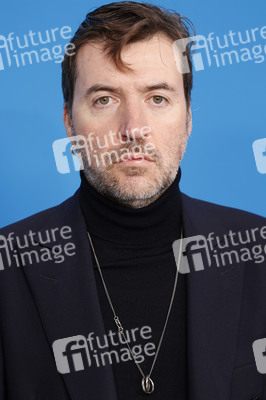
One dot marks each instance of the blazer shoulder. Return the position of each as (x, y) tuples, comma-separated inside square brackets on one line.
[(228, 215), (41, 218)]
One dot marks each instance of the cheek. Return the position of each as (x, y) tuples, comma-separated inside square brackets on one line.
[(170, 136), (84, 124), (80, 120)]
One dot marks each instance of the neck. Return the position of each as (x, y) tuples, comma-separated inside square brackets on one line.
[(122, 223)]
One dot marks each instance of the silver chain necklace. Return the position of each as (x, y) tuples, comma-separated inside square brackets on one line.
[(147, 383)]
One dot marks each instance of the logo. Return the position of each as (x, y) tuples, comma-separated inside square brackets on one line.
[(259, 349), (62, 153), (28, 49), (195, 43), (220, 50), (77, 353), (259, 150), (4, 245), (230, 248), (195, 253), (91, 148), (36, 247), (71, 354), (3, 45)]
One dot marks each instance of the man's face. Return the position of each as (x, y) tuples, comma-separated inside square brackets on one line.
[(125, 112)]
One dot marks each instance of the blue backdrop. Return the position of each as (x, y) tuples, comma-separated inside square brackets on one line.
[(228, 103)]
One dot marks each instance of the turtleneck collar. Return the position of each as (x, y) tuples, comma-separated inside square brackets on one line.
[(108, 220)]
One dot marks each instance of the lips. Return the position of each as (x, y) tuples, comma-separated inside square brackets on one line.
[(134, 158)]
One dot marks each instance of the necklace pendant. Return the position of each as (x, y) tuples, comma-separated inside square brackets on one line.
[(147, 385)]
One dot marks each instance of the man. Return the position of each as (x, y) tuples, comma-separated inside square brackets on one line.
[(90, 302)]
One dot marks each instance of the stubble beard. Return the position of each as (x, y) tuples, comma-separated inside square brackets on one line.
[(131, 194)]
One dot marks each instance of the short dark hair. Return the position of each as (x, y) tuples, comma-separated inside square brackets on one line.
[(121, 23)]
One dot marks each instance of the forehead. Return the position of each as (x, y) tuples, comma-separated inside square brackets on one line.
[(150, 59)]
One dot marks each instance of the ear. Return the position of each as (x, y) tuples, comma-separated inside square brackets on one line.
[(67, 121)]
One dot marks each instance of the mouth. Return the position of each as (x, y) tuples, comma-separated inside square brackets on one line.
[(135, 159)]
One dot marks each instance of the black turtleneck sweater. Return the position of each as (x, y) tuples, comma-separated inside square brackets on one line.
[(134, 249)]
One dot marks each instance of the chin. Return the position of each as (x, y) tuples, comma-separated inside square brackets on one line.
[(139, 187)]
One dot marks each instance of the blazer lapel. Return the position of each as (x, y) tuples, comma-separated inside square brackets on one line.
[(214, 297), (66, 296)]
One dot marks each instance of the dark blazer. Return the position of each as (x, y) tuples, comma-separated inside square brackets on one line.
[(47, 301)]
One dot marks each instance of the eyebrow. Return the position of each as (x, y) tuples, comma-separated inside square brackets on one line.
[(99, 88), (161, 85), (103, 88)]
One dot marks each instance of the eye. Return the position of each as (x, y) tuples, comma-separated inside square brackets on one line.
[(103, 101), (158, 100)]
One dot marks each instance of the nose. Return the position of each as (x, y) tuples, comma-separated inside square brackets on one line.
[(133, 124)]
